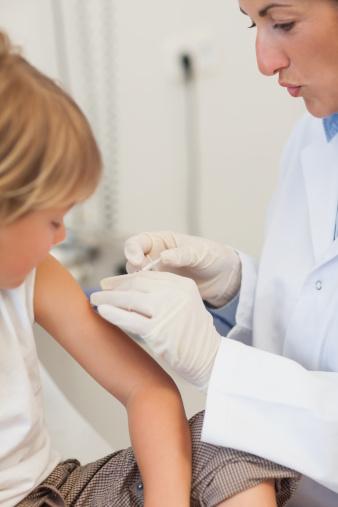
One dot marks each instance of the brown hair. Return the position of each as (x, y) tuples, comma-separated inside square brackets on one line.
[(48, 154)]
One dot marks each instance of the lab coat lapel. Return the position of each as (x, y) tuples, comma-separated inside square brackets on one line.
[(320, 170)]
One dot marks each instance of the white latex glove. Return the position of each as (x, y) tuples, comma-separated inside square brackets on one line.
[(215, 268), (167, 311)]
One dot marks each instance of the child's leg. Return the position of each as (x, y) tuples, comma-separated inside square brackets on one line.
[(263, 495), (221, 477), (228, 478)]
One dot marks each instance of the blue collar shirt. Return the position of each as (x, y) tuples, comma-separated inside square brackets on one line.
[(331, 126), (331, 130)]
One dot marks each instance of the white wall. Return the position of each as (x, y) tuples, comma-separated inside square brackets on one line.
[(244, 120), (28, 22)]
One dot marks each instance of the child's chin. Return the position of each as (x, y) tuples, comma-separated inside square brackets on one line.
[(14, 284)]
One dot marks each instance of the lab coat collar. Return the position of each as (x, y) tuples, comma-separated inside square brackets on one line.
[(320, 171)]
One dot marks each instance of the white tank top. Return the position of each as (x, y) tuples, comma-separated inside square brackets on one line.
[(26, 457)]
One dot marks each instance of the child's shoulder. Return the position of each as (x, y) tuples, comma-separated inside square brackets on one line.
[(19, 301)]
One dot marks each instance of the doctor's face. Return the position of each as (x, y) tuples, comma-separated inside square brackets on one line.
[(298, 41)]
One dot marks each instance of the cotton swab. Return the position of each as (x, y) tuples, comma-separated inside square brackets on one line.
[(151, 265)]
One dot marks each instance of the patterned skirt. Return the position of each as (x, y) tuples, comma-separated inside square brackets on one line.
[(115, 481)]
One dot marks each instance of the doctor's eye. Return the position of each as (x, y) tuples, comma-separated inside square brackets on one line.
[(285, 27)]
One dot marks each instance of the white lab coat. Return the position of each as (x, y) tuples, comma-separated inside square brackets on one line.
[(279, 398)]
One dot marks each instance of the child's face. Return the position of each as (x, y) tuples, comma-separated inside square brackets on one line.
[(25, 243)]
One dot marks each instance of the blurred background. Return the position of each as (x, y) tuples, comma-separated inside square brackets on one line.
[(191, 137)]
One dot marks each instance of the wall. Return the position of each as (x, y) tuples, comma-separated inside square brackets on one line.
[(244, 120)]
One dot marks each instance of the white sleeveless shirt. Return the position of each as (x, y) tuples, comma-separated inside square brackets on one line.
[(26, 457)]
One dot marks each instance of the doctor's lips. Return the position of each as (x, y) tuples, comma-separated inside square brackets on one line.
[(292, 89)]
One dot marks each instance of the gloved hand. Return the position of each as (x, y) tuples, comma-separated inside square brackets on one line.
[(215, 268), (167, 311)]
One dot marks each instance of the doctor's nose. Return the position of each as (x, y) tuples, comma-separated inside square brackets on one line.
[(270, 58)]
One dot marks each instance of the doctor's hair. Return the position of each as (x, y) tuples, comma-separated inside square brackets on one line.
[(48, 154)]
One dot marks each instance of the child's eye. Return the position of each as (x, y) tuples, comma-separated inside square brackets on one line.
[(285, 27), (253, 24), (55, 224)]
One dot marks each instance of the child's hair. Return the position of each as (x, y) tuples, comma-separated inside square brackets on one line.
[(48, 154)]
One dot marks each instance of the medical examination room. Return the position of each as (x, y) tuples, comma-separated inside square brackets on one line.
[(171, 167)]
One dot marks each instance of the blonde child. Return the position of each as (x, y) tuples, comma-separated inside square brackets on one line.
[(49, 161)]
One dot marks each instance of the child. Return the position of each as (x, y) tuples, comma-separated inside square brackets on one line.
[(49, 161)]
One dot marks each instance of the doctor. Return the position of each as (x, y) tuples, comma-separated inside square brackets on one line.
[(273, 380)]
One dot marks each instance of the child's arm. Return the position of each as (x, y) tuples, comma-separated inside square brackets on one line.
[(157, 423)]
